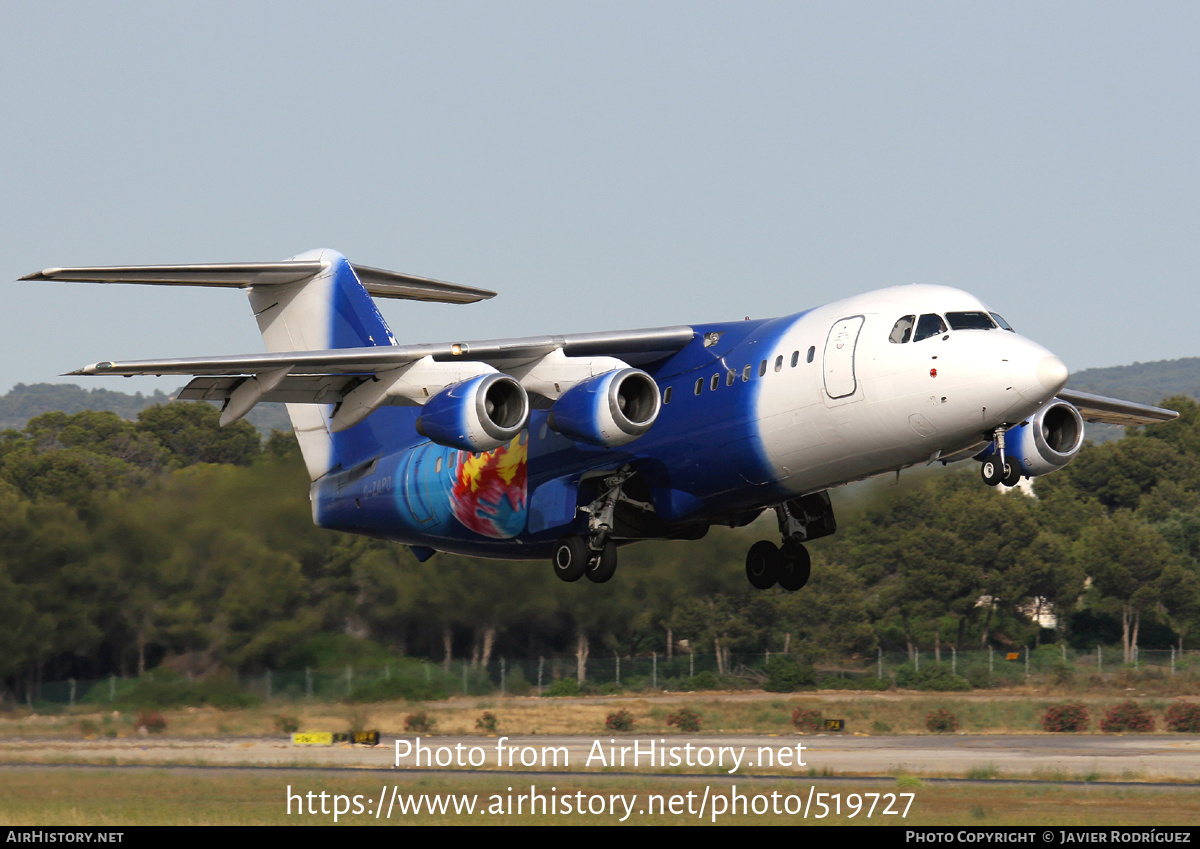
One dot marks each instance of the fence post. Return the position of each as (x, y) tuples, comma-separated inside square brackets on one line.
[(879, 664), (691, 663), (1136, 667), (268, 685), (1064, 651), (73, 690), (541, 663), (464, 666), (1099, 659), (991, 662), (918, 657), (618, 656), (349, 678), (308, 683), (953, 660), (502, 670), (654, 676), (1026, 664), (1172, 660), (112, 688)]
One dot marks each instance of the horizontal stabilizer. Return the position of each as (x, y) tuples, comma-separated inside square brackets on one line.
[(1102, 409), (378, 282)]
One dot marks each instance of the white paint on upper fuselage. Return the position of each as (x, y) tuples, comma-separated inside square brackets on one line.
[(910, 402)]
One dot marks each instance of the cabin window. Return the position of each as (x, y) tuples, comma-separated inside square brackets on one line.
[(715, 382), (812, 352), (762, 368), (699, 385), (929, 325), (795, 358), (667, 394), (970, 321), (901, 330), (746, 373), (779, 363), (437, 465), (730, 376)]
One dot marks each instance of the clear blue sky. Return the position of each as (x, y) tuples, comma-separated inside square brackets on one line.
[(602, 165)]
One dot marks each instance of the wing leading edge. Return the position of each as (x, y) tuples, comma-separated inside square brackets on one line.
[(1102, 409)]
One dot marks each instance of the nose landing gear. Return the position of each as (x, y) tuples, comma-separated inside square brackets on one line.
[(999, 469)]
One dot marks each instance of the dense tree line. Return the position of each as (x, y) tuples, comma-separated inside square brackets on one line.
[(127, 543)]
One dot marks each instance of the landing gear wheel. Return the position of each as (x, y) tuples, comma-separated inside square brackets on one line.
[(992, 471), (762, 565), (602, 565), (795, 566), (571, 557), (1012, 473)]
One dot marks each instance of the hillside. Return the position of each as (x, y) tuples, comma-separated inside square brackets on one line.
[(24, 401), (1146, 383)]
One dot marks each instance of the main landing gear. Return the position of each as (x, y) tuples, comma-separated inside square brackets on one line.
[(595, 555), (998, 468), (789, 565)]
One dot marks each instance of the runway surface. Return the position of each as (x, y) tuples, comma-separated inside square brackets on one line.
[(1152, 757)]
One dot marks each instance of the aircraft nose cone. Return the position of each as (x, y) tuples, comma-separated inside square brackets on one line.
[(1052, 373)]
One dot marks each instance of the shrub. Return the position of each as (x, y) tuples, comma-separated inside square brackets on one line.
[(1184, 717), (1127, 716), (934, 678), (786, 674), (150, 721), (941, 721), (865, 682), (287, 724), (705, 680), (407, 687), (487, 722), (1069, 717), (806, 721), (622, 720), (562, 687), (164, 688), (419, 723), (685, 720)]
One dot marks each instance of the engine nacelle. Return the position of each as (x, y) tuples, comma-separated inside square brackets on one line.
[(1048, 441), (609, 409), (478, 414)]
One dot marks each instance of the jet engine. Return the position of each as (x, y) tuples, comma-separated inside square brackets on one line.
[(1048, 441), (478, 414), (609, 409)]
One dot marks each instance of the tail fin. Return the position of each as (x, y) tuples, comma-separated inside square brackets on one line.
[(315, 301)]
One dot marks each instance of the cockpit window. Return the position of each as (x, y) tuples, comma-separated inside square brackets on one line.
[(929, 325), (902, 329), (1000, 321), (970, 321)]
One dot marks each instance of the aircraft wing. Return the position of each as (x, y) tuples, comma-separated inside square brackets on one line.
[(1099, 408), (330, 376)]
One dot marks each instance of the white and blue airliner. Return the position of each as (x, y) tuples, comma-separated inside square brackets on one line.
[(566, 447)]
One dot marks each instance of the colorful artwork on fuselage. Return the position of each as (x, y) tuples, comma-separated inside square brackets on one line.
[(489, 491)]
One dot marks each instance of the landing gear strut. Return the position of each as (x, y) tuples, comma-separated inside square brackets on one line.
[(789, 566), (595, 554), (999, 469)]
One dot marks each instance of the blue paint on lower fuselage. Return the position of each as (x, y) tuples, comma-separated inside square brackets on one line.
[(395, 484)]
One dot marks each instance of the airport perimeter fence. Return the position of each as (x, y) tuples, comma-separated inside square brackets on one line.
[(415, 679)]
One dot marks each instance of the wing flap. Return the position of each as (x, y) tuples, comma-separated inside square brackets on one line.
[(1100, 408)]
